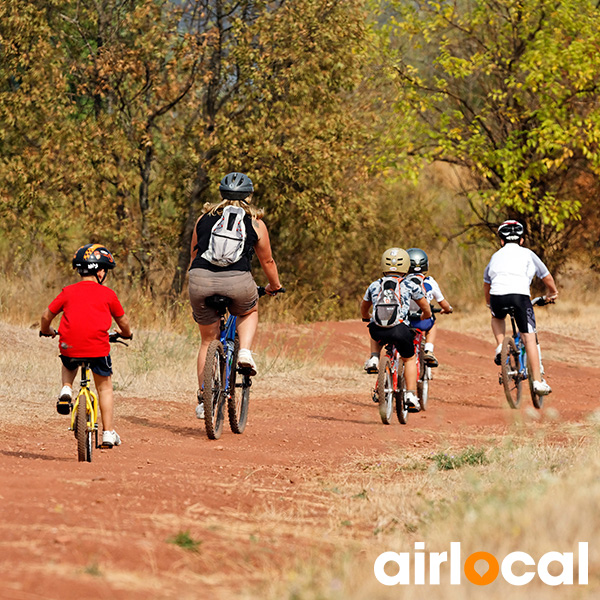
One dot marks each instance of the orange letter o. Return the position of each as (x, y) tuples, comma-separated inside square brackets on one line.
[(490, 575)]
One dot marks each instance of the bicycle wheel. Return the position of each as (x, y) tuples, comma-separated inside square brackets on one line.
[(213, 393), (423, 386), (537, 399), (237, 401), (511, 378), (401, 407), (82, 432), (385, 390)]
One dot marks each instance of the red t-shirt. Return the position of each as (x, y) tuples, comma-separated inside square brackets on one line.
[(88, 310)]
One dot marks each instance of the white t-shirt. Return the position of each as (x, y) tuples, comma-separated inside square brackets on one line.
[(511, 270), (432, 292)]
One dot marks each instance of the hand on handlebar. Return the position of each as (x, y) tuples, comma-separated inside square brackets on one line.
[(116, 336), (52, 333)]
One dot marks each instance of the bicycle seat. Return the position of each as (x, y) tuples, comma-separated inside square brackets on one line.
[(218, 302)]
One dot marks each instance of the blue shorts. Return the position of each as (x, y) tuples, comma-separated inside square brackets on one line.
[(101, 365)]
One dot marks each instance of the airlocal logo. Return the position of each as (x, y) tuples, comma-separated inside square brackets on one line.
[(490, 572)]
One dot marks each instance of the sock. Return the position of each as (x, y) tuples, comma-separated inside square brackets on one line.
[(499, 349), (428, 347)]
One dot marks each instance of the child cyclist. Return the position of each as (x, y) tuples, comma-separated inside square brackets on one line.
[(88, 310), (419, 266), (390, 298)]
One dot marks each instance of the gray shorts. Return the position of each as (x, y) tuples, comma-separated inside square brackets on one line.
[(237, 285)]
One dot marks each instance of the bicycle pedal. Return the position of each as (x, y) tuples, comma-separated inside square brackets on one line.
[(104, 446)]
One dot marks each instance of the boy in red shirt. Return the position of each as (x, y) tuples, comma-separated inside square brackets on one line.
[(88, 310)]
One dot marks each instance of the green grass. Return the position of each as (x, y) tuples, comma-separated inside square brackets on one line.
[(470, 456), (185, 541)]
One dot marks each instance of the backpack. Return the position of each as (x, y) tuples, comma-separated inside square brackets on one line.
[(227, 237), (387, 307)]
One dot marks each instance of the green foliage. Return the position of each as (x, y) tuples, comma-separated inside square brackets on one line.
[(185, 541), (470, 456), (509, 92)]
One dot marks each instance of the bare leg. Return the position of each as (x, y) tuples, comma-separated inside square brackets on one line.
[(68, 377), (499, 330), (208, 333), (246, 326), (106, 400), (431, 335), (410, 373), (375, 347)]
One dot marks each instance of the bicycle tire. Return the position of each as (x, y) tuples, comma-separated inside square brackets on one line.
[(213, 392), (237, 403), (423, 387), (385, 390), (511, 378), (537, 399), (401, 407), (84, 437)]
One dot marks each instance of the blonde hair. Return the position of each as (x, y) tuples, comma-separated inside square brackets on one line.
[(216, 208)]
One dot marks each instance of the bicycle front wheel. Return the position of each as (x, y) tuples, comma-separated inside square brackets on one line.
[(237, 400), (213, 392), (385, 390), (537, 399), (423, 386), (401, 407), (511, 377), (82, 432)]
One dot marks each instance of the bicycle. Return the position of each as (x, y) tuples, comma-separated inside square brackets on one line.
[(84, 411), (515, 364), (221, 374)]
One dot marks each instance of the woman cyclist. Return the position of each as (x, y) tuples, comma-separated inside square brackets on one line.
[(234, 280)]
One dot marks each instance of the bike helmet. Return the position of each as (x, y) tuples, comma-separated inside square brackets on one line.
[(395, 260), (511, 231), (235, 186), (419, 263), (89, 259)]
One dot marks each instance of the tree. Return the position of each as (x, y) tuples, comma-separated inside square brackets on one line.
[(508, 91)]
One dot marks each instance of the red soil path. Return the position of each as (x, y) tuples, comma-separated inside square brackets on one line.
[(100, 530)]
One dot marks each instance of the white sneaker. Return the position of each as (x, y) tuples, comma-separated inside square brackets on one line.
[(200, 410), (411, 400), (246, 361), (541, 388), (110, 438), (63, 406), (372, 365)]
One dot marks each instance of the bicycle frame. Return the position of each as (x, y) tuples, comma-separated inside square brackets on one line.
[(520, 348), (227, 338)]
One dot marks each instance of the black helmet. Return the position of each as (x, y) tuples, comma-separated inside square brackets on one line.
[(236, 186), (419, 263), (511, 231), (89, 259)]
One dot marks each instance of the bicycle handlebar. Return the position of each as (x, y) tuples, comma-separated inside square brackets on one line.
[(542, 301), (262, 291), (114, 337)]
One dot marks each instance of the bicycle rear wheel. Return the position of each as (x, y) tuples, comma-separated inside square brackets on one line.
[(82, 432), (213, 392), (537, 399), (401, 406), (424, 377), (237, 400), (385, 390), (511, 377)]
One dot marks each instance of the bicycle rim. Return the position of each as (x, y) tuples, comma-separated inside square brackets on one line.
[(511, 377), (401, 407), (84, 453), (423, 387), (537, 399), (212, 394), (237, 400), (385, 390)]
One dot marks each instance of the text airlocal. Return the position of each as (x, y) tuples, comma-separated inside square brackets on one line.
[(413, 571)]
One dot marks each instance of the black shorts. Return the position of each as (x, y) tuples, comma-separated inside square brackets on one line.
[(399, 335), (101, 365), (523, 310)]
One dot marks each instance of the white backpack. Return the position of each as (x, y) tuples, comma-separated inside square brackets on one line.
[(387, 307), (227, 238)]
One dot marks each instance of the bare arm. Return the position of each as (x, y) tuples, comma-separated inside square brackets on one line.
[(124, 327), (365, 308), (265, 257), (551, 287), (47, 318), (193, 249), (425, 308), (486, 291), (446, 308)]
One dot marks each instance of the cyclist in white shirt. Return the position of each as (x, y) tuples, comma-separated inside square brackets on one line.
[(507, 279)]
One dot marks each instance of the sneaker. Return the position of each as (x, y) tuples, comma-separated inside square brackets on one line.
[(110, 438), (411, 400), (246, 361), (430, 359), (372, 365), (64, 404), (200, 410), (498, 359), (541, 388)]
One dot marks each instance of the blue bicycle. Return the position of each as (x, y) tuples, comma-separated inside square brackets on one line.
[(516, 366), (221, 371)]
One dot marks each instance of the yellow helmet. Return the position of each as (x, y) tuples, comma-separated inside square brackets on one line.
[(395, 260)]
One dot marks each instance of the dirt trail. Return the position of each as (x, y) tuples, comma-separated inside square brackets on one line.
[(71, 530)]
